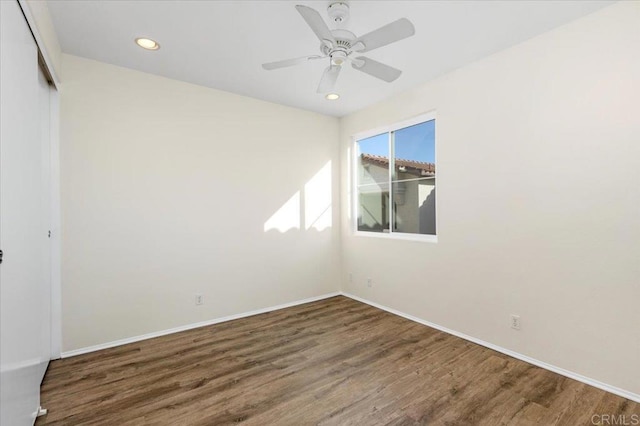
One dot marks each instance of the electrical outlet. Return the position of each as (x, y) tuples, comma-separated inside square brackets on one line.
[(199, 299), (369, 282), (350, 277), (515, 322)]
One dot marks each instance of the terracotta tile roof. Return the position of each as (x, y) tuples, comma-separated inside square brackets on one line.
[(413, 167)]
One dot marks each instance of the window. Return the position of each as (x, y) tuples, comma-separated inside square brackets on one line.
[(395, 181)]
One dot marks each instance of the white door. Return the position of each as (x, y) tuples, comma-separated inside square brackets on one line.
[(25, 289)]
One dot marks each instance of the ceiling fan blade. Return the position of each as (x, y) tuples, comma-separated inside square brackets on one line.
[(376, 69), (317, 24), (329, 78), (390, 33), (289, 62)]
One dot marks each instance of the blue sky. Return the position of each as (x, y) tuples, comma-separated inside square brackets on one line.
[(415, 143)]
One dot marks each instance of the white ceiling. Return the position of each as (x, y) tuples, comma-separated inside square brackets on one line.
[(222, 44)]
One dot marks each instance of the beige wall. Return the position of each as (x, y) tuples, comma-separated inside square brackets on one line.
[(171, 189), (538, 208)]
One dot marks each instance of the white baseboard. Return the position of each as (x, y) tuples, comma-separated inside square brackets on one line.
[(595, 383), (134, 339), (608, 388)]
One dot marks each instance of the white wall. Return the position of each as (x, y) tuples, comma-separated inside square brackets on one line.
[(171, 189), (538, 201)]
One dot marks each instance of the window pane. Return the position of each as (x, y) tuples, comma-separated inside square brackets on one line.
[(414, 151), (414, 206), (408, 206), (373, 159), (373, 208)]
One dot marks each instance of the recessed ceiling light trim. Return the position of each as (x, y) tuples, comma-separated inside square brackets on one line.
[(332, 96), (147, 43)]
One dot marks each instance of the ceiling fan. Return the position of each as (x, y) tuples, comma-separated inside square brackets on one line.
[(341, 45)]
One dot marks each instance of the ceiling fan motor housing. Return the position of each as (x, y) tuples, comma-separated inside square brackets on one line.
[(339, 51)]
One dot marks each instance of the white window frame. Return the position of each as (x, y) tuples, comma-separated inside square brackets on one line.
[(354, 180)]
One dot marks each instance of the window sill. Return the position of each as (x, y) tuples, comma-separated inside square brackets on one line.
[(397, 236)]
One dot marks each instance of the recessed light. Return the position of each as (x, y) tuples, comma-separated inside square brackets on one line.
[(147, 43), (332, 96)]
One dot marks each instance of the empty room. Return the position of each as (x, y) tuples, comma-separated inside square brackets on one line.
[(319, 212)]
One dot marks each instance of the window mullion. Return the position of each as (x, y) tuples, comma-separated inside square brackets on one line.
[(392, 168)]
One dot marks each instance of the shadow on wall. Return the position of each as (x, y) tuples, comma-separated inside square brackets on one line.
[(310, 206), (428, 214)]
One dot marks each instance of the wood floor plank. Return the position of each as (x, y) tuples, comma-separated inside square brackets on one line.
[(331, 362)]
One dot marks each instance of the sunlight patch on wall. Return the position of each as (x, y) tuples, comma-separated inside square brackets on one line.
[(314, 201), (287, 217), (317, 200)]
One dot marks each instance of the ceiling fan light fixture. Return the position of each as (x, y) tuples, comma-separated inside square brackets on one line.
[(338, 58), (147, 43), (332, 96)]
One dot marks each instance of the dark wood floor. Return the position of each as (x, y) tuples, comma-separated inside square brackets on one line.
[(333, 362)]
